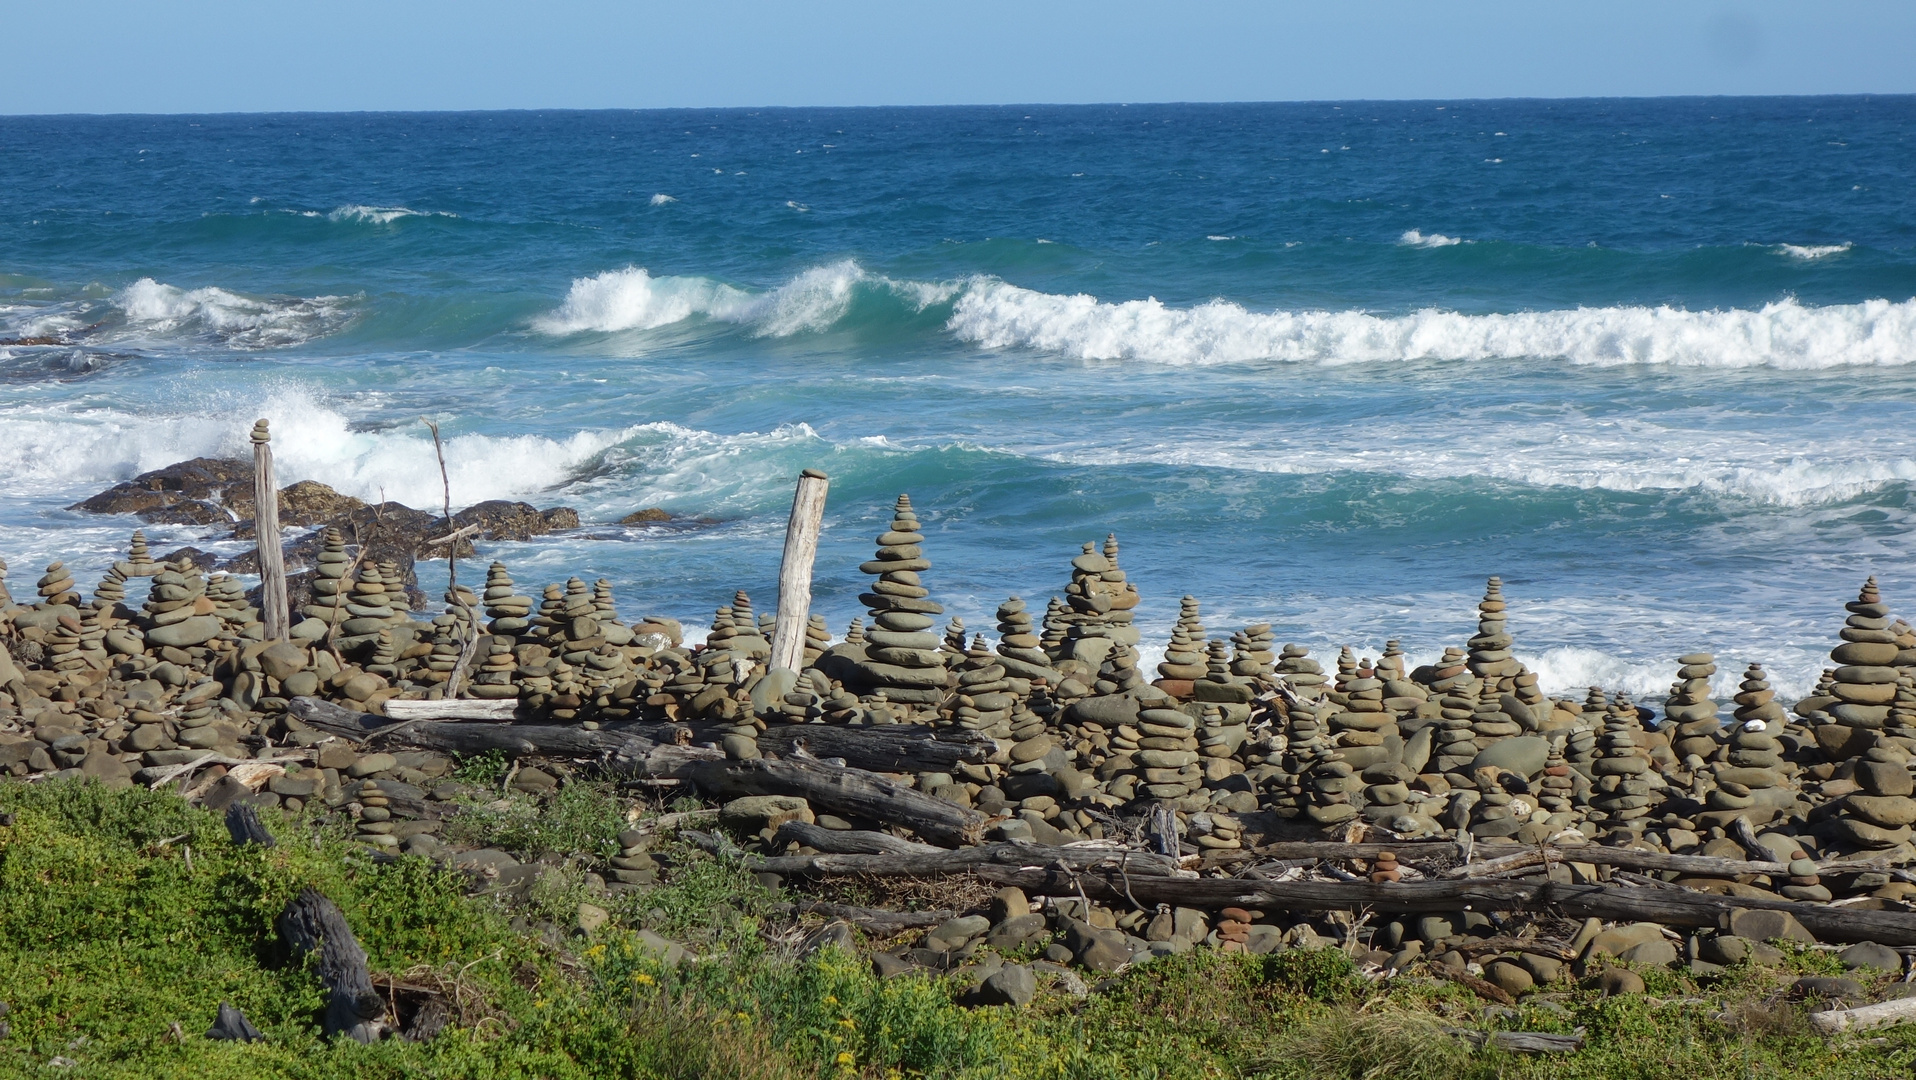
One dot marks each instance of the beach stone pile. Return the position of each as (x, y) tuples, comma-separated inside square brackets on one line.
[(1184, 658), (1230, 728), (1099, 601), (901, 652)]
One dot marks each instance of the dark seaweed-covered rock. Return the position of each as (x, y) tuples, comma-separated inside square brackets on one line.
[(186, 493)]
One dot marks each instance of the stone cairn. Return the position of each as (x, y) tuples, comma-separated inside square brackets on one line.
[(1621, 794), (1019, 649), (1698, 731), (1865, 683), (1302, 674), (984, 698), (1100, 602), (902, 651), (1184, 657)]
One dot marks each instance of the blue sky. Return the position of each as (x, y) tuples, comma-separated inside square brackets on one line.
[(266, 55)]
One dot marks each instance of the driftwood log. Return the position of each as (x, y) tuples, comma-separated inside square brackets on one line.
[(1671, 906), (1881, 1014), (313, 924), (243, 824), (456, 709), (1426, 854), (872, 920), (936, 862), (1522, 1042), (898, 748), (652, 749), (1634, 859), (622, 748), (848, 791), (847, 841)]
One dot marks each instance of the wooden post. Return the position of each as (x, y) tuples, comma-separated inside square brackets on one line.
[(272, 559), (795, 571)]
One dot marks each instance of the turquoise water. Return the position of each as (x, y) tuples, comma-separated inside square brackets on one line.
[(1322, 365)]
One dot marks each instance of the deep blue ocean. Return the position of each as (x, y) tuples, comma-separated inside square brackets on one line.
[(1323, 365)]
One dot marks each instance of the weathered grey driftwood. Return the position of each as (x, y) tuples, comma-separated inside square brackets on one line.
[(1414, 853), (847, 841), (1634, 859), (1522, 1042), (873, 920), (243, 824), (456, 709), (1896, 1011), (651, 749), (900, 748), (795, 570), (274, 612), (848, 791), (935, 862), (313, 924), (231, 1025), (1672, 907), (624, 749)]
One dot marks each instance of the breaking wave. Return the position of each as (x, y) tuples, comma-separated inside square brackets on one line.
[(1414, 238), (994, 314), (1785, 334), (381, 215), (152, 308), (633, 299)]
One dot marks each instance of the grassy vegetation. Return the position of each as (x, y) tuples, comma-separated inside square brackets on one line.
[(119, 946)]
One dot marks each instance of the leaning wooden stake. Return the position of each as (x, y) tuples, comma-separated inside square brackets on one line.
[(795, 571), (272, 560)]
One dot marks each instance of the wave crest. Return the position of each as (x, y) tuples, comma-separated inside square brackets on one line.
[(813, 301), (1784, 334), (381, 215), (1414, 238), (156, 309), (1813, 251)]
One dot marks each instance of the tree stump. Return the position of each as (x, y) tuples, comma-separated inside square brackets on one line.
[(313, 924)]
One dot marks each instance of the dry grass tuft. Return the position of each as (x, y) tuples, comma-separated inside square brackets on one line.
[(1353, 1044)]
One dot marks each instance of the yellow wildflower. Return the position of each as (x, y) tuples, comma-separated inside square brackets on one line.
[(642, 978), (845, 1059)]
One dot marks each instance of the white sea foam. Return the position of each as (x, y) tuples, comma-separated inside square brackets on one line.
[(66, 449), (632, 299), (154, 309), (662, 198), (1784, 334), (73, 449), (381, 215), (1796, 468), (1414, 238), (1812, 251)]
